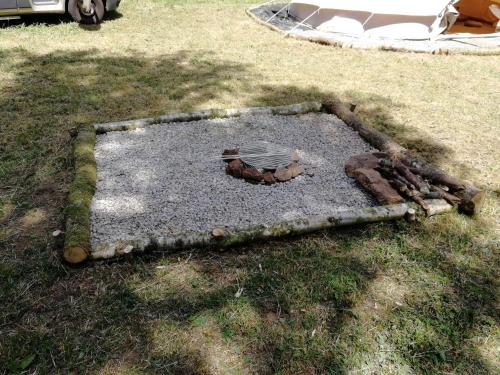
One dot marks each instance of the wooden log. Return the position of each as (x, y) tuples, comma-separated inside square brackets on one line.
[(399, 186), (392, 174), (293, 109), (419, 199), (234, 237), (471, 200), (369, 160), (411, 214), (77, 212), (450, 198), (413, 179), (371, 180), (432, 195), (437, 207), (373, 136), (438, 177)]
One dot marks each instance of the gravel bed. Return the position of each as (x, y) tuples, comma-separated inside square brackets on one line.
[(286, 24), (168, 179)]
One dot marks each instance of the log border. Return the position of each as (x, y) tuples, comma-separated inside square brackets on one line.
[(223, 238), (77, 246), (292, 109)]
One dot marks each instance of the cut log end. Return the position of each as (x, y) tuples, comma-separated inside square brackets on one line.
[(75, 254), (218, 232), (472, 200), (411, 215)]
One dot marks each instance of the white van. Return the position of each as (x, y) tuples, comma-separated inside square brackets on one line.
[(83, 11)]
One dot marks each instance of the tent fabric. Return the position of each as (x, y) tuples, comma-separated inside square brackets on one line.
[(403, 19), (477, 9), (395, 7), (476, 17)]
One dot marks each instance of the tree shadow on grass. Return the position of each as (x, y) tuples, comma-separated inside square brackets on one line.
[(53, 93), (306, 305)]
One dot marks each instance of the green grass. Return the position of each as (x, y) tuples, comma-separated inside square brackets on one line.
[(386, 298)]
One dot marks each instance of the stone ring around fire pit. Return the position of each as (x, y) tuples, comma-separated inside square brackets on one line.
[(263, 162)]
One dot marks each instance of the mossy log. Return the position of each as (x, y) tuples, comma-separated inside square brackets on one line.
[(471, 198), (232, 237), (77, 237)]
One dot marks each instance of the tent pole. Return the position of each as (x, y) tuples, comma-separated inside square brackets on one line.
[(302, 22), (366, 21), (275, 14)]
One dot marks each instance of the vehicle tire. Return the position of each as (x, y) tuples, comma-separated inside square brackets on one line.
[(93, 17)]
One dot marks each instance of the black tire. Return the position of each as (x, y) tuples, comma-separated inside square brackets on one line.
[(88, 19)]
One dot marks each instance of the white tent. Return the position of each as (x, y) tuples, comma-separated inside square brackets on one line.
[(397, 19)]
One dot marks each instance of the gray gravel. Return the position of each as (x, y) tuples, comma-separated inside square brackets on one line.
[(287, 24), (168, 179)]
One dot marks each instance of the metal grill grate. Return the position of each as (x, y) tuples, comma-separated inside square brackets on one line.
[(265, 155)]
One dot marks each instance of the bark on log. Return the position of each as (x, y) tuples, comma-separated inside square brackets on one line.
[(368, 160), (413, 179), (399, 186), (450, 198), (233, 237), (471, 200), (373, 136), (392, 174), (77, 235), (371, 180), (438, 177)]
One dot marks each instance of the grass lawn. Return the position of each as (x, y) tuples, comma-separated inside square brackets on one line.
[(378, 299)]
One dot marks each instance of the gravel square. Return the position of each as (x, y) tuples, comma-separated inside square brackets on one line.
[(168, 179)]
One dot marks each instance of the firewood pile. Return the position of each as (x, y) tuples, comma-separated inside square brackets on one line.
[(394, 180), (392, 174), (239, 169)]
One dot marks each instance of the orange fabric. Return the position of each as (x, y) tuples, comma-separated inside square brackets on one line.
[(459, 27), (476, 10)]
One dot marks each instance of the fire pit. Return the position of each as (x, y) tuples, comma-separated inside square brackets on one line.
[(161, 182), (180, 189), (263, 162)]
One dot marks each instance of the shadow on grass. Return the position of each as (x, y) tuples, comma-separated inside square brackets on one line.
[(320, 304)]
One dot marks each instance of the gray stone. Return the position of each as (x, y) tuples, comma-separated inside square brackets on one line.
[(146, 188)]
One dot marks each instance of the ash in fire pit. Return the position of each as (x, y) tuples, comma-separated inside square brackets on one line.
[(263, 162)]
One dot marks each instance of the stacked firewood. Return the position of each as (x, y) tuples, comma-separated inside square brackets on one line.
[(393, 173), (393, 180)]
